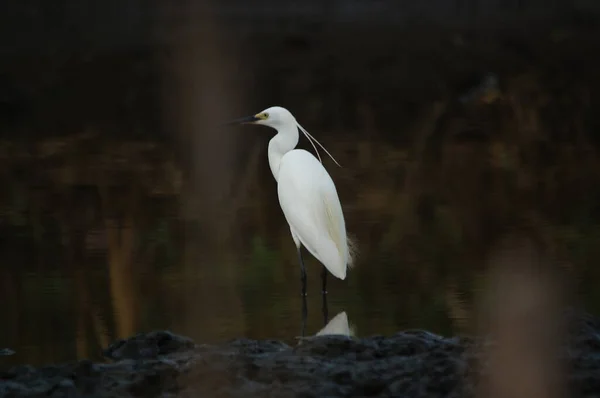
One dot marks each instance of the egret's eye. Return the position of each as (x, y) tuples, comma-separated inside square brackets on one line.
[(265, 116)]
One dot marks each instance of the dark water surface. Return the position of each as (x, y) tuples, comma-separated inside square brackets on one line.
[(85, 264)]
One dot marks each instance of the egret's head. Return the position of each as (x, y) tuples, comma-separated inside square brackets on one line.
[(275, 117), (280, 118)]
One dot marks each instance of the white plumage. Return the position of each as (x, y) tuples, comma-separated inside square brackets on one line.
[(337, 326), (311, 206), (307, 194)]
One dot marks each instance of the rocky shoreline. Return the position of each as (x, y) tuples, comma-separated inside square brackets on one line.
[(407, 364)]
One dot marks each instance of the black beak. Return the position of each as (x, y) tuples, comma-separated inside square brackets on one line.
[(243, 120)]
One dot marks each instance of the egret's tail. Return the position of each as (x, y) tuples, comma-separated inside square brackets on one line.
[(337, 246), (335, 260), (351, 251), (329, 255)]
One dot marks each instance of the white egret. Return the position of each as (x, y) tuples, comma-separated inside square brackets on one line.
[(307, 195)]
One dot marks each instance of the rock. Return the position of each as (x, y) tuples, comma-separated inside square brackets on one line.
[(408, 364), (149, 345)]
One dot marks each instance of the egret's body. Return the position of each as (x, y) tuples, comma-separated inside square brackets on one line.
[(307, 196), (311, 206)]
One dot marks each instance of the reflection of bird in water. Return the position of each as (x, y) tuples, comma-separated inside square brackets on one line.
[(307, 195), (337, 326)]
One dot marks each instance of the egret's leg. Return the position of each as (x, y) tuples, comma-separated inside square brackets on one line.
[(302, 271), (304, 313), (324, 280), (325, 310)]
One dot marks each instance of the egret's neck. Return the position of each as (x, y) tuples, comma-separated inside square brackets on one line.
[(285, 140)]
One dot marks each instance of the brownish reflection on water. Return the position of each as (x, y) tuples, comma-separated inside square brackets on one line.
[(521, 310)]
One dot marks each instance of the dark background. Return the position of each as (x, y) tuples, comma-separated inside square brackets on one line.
[(125, 208)]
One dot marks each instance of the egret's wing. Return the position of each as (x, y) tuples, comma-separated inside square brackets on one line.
[(311, 206), (297, 199), (332, 215)]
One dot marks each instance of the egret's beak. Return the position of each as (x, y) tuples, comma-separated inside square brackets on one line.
[(243, 120)]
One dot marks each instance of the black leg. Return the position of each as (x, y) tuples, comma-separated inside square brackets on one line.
[(325, 310), (302, 272), (304, 313), (324, 294), (324, 280)]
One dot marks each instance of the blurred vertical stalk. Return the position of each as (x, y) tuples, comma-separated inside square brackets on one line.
[(198, 96), (199, 93), (120, 233), (522, 314)]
